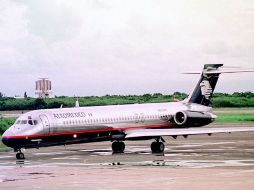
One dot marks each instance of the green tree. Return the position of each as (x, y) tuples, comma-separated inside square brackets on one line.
[(39, 103), (147, 97)]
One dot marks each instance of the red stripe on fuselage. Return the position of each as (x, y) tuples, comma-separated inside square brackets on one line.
[(90, 131)]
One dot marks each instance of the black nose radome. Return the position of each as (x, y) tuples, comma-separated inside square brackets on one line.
[(6, 141)]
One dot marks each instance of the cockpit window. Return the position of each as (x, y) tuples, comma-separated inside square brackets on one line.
[(23, 122), (30, 122), (35, 122)]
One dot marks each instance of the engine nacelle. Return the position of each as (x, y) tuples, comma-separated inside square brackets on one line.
[(192, 118)]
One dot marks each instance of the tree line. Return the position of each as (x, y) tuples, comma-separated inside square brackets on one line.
[(243, 99)]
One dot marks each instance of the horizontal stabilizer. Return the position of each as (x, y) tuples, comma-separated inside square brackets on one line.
[(222, 69), (236, 71)]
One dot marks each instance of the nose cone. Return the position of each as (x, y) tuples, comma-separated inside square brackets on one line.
[(7, 138), (13, 140), (5, 141)]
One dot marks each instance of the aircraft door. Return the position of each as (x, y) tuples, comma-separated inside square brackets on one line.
[(142, 118), (45, 123)]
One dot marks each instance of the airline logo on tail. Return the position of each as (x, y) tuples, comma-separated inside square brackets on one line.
[(206, 89)]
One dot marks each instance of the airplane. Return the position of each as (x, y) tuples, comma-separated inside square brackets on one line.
[(118, 123)]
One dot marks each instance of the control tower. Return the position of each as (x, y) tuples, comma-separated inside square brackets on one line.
[(43, 88)]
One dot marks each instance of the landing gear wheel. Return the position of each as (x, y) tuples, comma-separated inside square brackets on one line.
[(20, 156), (118, 147), (157, 147)]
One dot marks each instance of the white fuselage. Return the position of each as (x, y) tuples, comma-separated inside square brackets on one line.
[(94, 123)]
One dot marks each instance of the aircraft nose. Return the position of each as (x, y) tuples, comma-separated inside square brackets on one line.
[(6, 138), (5, 141), (8, 133)]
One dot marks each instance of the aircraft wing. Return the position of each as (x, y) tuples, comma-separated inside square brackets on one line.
[(139, 133)]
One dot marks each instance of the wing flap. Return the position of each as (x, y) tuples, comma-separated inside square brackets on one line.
[(180, 132)]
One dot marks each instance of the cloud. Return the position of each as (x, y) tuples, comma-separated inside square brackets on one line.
[(109, 47)]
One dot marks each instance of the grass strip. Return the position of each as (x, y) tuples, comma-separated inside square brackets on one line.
[(235, 118)]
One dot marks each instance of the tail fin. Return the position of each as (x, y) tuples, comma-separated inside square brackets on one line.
[(203, 92)]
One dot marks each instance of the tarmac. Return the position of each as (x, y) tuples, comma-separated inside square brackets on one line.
[(222, 161)]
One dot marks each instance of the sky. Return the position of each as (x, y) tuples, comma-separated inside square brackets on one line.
[(99, 47)]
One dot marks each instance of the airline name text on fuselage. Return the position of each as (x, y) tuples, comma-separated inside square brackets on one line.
[(71, 115)]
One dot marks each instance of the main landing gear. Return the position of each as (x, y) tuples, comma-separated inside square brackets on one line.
[(20, 155), (118, 147), (157, 147)]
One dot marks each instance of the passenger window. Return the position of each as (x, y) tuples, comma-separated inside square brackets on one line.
[(35, 122), (18, 122)]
